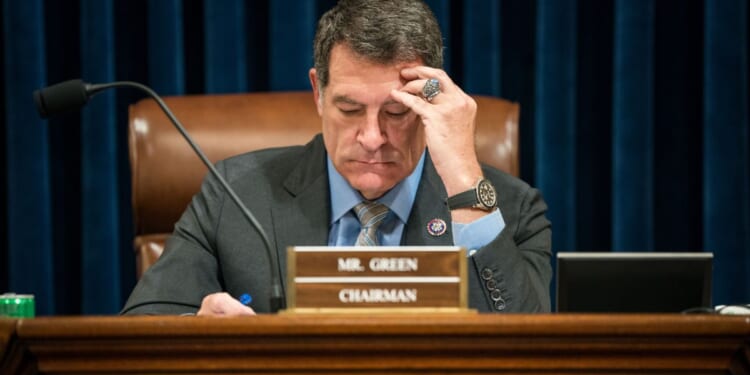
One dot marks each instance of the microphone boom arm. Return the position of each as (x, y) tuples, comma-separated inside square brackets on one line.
[(276, 301)]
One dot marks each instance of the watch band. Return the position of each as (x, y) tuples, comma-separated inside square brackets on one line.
[(463, 200), (482, 196)]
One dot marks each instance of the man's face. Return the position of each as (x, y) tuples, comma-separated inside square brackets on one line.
[(373, 141)]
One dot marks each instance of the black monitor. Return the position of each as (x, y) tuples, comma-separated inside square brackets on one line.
[(633, 282)]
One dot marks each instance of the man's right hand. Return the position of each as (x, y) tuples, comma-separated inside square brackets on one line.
[(222, 304)]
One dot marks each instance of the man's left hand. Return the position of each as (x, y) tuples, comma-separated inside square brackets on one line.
[(449, 121)]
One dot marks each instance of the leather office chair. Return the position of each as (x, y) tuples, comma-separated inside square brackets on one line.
[(166, 173)]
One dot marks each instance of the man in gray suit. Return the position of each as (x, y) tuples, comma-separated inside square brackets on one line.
[(398, 135)]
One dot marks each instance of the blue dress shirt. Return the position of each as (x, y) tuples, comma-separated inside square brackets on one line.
[(344, 225)]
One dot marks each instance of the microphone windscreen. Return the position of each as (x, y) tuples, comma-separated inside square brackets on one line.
[(61, 97)]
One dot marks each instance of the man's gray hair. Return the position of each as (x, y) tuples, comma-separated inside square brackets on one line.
[(382, 31)]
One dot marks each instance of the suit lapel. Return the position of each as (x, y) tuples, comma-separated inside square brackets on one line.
[(302, 217), (429, 206)]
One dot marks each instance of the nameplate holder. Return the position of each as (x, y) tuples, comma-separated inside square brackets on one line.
[(400, 279)]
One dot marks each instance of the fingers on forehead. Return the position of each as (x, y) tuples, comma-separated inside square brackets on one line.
[(423, 72), (411, 101), (414, 86)]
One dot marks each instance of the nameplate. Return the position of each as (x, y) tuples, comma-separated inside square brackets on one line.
[(362, 279)]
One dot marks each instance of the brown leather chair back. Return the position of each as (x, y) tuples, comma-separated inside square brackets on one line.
[(166, 173)]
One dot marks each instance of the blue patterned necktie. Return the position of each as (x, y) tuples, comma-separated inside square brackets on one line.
[(371, 215)]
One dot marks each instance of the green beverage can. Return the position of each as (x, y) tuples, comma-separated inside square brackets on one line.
[(17, 305)]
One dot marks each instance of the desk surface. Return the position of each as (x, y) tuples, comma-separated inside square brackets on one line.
[(455, 343)]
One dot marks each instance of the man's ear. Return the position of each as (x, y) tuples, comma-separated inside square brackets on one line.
[(316, 90)]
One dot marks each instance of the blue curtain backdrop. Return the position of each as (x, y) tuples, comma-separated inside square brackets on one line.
[(634, 120)]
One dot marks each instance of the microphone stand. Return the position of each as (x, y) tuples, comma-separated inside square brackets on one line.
[(276, 299)]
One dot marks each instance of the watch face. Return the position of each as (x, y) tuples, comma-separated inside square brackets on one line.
[(486, 194)]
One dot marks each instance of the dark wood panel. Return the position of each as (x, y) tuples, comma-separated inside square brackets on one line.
[(394, 344)]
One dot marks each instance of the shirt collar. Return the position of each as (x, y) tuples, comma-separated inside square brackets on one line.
[(400, 199)]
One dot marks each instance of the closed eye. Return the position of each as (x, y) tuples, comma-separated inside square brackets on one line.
[(350, 112), (399, 114)]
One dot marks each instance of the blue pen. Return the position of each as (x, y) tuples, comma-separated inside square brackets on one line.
[(246, 299)]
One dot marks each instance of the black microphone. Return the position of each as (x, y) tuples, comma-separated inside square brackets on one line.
[(74, 94), (62, 97)]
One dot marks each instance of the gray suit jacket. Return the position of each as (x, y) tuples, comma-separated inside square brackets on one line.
[(213, 248)]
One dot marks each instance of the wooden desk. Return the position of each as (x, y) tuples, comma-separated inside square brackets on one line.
[(406, 344)]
